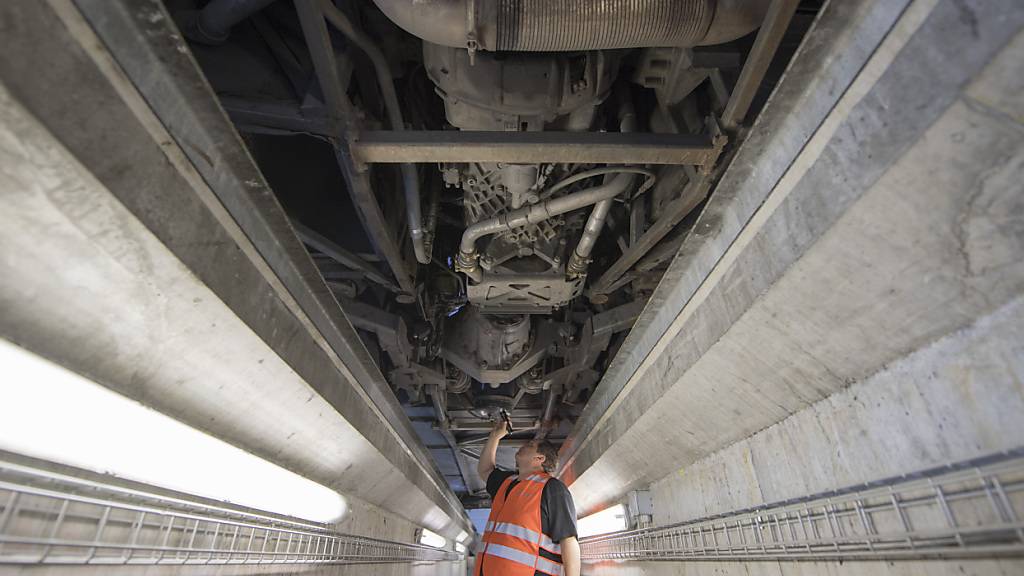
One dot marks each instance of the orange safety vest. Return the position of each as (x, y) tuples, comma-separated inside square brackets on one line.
[(513, 538)]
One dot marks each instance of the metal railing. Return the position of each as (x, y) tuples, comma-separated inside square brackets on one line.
[(53, 518), (967, 510)]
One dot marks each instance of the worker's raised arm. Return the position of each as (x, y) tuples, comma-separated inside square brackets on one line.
[(571, 556), (487, 457)]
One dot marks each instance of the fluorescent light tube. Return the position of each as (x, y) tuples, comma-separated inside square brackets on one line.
[(608, 520), (52, 413)]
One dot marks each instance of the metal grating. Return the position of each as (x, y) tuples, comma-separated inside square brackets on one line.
[(51, 518), (971, 509)]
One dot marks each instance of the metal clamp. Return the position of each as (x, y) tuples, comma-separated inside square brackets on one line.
[(472, 42)]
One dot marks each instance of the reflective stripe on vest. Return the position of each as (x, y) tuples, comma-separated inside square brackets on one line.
[(545, 565), (549, 544), (519, 532), (524, 533), (524, 558), (513, 539)]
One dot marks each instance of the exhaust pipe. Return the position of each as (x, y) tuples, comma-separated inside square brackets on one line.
[(565, 25), (467, 259), (580, 259)]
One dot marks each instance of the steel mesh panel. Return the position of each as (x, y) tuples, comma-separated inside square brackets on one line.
[(972, 509), (47, 518)]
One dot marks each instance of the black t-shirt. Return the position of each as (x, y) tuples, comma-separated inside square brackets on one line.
[(557, 511)]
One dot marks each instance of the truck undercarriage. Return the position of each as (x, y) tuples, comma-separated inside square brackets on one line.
[(492, 189)]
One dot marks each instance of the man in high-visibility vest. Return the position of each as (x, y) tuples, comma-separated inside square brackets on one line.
[(532, 527)]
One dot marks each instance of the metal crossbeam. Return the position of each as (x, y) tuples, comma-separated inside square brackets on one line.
[(969, 510), (51, 518), (535, 147)]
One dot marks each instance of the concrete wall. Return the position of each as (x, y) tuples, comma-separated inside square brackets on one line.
[(94, 249), (899, 222), (954, 399), (83, 281), (866, 320), (833, 53), (119, 260)]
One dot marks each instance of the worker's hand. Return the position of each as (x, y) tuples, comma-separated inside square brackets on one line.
[(499, 430)]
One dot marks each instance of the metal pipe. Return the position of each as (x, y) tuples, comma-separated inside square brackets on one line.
[(601, 172), (430, 220), (467, 258), (541, 212), (213, 23), (580, 258), (548, 416), (410, 178)]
